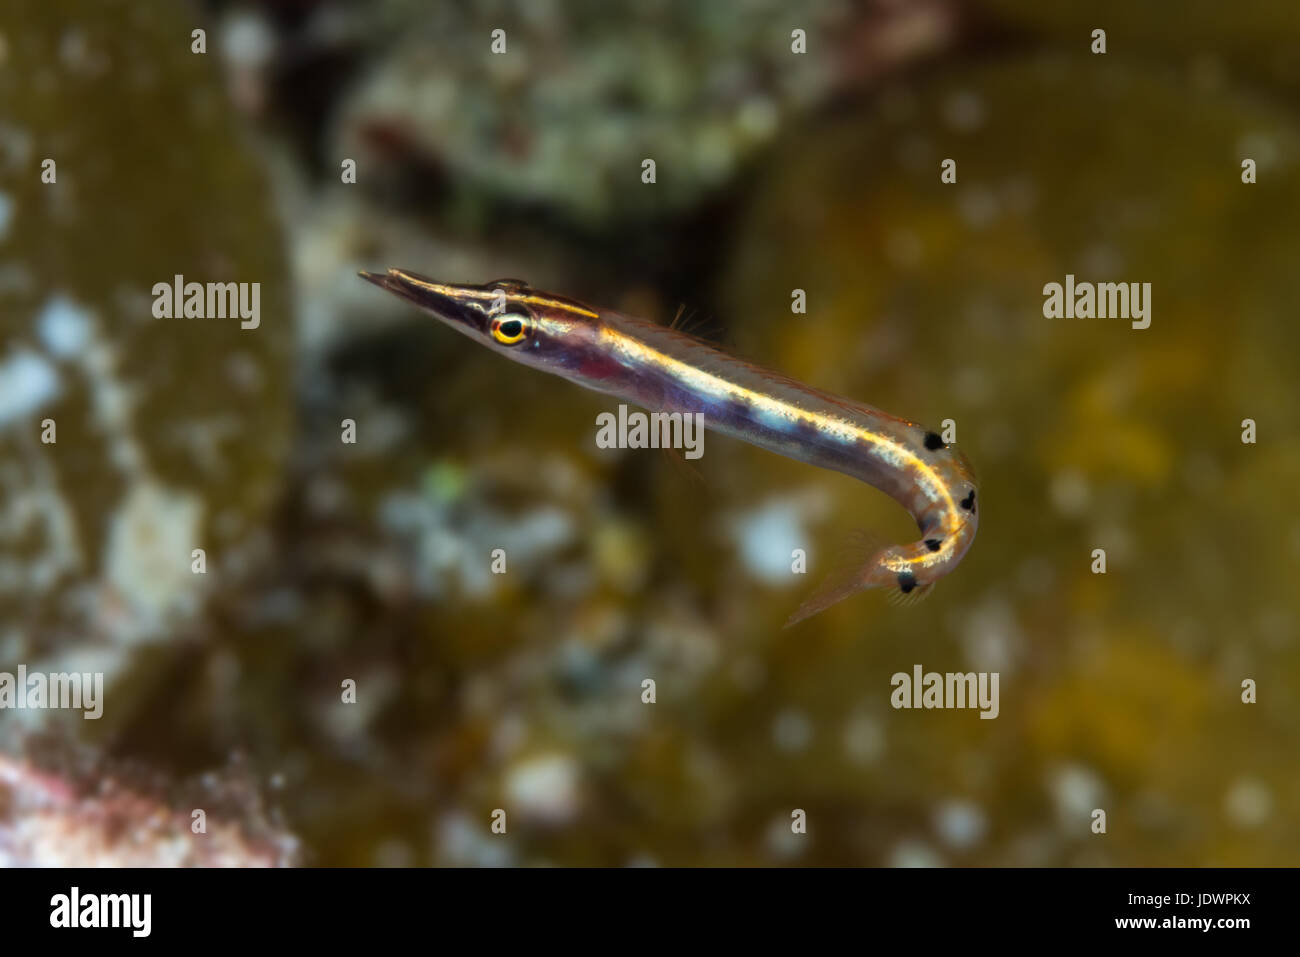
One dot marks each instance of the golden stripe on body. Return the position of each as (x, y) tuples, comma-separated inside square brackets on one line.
[(705, 382)]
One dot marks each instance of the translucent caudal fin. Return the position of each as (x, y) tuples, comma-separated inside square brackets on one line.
[(848, 576), (825, 595)]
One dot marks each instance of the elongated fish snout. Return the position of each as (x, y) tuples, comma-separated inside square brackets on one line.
[(458, 306)]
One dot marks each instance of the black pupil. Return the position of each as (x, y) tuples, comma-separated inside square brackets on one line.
[(511, 328)]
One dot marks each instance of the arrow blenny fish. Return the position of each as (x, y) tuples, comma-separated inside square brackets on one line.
[(664, 370)]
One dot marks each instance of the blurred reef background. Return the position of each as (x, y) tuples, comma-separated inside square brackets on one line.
[(370, 561)]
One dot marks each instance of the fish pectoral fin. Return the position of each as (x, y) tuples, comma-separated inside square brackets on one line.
[(900, 599)]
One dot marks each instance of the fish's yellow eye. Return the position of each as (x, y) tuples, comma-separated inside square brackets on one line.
[(509, 330)]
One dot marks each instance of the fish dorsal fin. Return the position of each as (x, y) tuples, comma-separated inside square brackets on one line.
[(708, 353), (705, 329)]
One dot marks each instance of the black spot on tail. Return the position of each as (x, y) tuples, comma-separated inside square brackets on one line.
[(968, 502), (906, 581), (933, 441), (933, 544)]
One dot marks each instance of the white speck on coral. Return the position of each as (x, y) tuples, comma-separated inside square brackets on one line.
[(442, 550), (148, 556), (27, 382), (113, 403), (64, 327), (914, 854), (1248, 803), (1070, 493), (248, 40), (960, 823), (544, 788), (1077, 791), (991, 636), (768, 535), (463, 842), (781, 840)]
